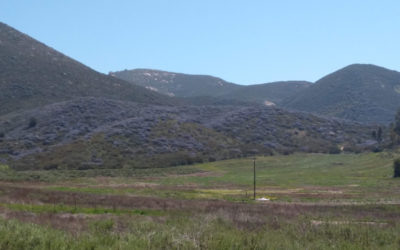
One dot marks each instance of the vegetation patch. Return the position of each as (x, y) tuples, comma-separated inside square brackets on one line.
[(60, 208)]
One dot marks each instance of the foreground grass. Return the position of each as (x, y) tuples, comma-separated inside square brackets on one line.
[(208, 232)]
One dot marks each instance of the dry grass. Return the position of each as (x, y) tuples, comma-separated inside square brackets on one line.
[(245, 215)]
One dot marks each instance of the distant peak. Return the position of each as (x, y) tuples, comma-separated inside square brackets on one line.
[(363, 66)]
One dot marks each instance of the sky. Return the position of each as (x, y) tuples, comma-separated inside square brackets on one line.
[(245, 42)]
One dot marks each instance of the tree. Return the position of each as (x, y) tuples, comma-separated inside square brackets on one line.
[(396, 127), (379, 135), (396, 168), (32, 122), (374, 134)]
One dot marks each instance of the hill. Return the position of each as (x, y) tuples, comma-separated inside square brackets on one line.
[(359, 92), (203, 90), (268, 93), (96, 133), (177, 84), (32, 74)]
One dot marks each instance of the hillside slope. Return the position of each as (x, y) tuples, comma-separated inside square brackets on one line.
[(359, 92), (103, 133), (202, 89), (32, 74), (268, 93), (177, 84)]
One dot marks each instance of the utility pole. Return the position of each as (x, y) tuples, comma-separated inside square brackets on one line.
[(254, 166)]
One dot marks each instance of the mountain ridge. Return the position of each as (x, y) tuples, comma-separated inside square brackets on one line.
[(272, 93), (360, 92), (196, 86), (176, 84), (33, 74)]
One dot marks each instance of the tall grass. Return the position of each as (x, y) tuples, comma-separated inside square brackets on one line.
[(205, 232)]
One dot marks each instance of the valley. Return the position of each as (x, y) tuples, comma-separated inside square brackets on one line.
[(150, 159)]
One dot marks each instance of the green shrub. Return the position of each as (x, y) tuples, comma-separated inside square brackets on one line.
[(4, 168), (334, 150), (377, 149)]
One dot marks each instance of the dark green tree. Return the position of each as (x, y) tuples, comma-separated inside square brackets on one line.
[(396, 127), (379, 135), (32, 122), (396, 168), (374, 134)]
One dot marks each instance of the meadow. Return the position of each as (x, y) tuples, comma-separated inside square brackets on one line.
[(313, 201)]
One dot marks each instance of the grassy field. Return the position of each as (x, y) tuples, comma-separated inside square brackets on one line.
[(316, 201), (294, 178)]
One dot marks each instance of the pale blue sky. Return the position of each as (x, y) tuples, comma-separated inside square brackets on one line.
[(245, 42)]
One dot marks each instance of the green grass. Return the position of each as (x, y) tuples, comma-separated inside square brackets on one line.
[(60, 208), (7, 174), (298, 170), (200, 233), (221, 194), (362, 178), (299, 177)]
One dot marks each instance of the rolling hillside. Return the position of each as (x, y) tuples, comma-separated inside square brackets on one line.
[(176, 84), (96, 133), (32, 74), (268, 93), (359, 92), (203, 90)]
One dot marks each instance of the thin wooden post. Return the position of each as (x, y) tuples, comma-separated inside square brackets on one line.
[(254, 167)]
